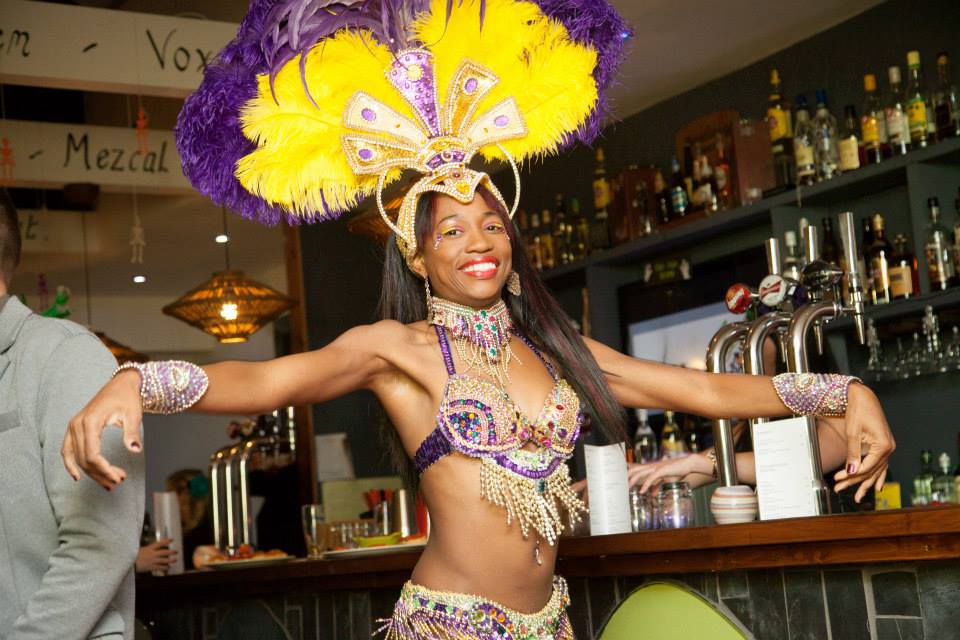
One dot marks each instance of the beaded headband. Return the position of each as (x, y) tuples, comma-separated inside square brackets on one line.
[(439, 143)]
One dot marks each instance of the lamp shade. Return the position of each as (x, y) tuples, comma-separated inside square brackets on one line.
[(121, 352), (229, 306)]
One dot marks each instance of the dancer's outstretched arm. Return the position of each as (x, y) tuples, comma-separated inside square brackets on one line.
[(352, 361)]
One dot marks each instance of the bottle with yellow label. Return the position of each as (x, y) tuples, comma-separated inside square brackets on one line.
[(600, 229), (849, 143), (873, 123), (903, 270), (803, 145), (781, 133), (898, 125), (917, 102)]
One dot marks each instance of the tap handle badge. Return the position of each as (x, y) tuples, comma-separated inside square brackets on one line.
[(739, 298)]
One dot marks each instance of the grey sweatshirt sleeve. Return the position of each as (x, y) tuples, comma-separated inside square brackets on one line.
[(99, 531)]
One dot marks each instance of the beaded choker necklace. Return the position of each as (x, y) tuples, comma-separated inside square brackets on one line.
[(481, 336)]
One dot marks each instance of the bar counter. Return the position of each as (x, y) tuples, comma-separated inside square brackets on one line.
[(894, 569)]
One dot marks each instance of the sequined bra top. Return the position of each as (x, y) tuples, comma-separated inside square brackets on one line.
[(480, 420)]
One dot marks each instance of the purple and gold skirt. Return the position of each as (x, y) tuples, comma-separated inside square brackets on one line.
[(424, 614)]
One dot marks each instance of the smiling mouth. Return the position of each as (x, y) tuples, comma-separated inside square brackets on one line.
[(480, 269)]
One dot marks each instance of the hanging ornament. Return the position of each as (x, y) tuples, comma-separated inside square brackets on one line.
[(137, 238), (59, 308), (143, 133), (43, 292), (7, 162)]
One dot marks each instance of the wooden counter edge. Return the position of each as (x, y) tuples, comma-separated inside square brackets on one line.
[(931, 533)]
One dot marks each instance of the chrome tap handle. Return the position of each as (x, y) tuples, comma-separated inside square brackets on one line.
[(774, 263), (854, 304), (811, 243)]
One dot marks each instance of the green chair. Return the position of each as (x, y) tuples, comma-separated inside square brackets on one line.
[(664, 611)]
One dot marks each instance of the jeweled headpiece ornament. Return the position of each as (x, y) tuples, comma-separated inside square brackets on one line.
[(318, 104)]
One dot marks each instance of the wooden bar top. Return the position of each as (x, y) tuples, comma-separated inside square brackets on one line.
[(928, 533)]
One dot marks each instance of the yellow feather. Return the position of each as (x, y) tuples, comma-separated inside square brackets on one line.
[(548, 74), (299, 154)]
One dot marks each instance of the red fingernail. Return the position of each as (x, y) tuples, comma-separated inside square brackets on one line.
[(851, 468), (135, 446)]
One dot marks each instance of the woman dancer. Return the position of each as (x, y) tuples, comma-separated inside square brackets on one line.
[(471, 329)]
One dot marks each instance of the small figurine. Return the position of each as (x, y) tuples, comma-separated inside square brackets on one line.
[(59, 308)]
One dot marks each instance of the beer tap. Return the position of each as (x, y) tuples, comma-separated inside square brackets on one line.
[(823, 282), (216, 463)]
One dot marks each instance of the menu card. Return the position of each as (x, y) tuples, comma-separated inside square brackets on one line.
[(785, 482), (607, 489)]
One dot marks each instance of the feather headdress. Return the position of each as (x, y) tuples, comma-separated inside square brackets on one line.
[(318, 104)]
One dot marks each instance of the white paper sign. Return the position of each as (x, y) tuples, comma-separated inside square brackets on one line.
[(607, 489), (57, 45), (786, 487), (334, 460), (50, 154)]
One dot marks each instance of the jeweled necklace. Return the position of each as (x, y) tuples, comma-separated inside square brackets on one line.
[(481, 336)]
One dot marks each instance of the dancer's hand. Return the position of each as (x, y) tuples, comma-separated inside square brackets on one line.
[(118, 404), (156, 556), (695, 469), (869, 442)]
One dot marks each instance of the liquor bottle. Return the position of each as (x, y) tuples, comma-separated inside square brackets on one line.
[(791, 258), (570, 243), (803, 145), (561, 253), (849, 145), (946, 101), (600, 229), (692, 435), (829, 251), (644, 440), (937, 247), (662, 195), (691, 175), (878, 256), (825, 137), (679, 204), (781, 134), (708, 184), (873, 123), (672, 444), (534, 248), (903, 270), (943, 488), (898, 124), (923, 481), (956, 471), (547, 248), (580, 245), (722, 174), (915, 99)]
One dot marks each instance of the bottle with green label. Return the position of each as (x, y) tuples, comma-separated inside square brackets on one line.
[(915, 99)]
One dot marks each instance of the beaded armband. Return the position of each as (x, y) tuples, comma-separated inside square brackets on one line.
[(814, 394), (168, 386)]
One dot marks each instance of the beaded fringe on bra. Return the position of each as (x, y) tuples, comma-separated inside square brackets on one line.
[(535, 503)]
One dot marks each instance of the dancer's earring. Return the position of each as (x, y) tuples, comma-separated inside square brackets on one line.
[(513, 283), (426, 288)]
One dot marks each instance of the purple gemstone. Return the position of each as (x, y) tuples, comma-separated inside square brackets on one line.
[(368, 114), (501, 121), (366, 154), (470, 85)]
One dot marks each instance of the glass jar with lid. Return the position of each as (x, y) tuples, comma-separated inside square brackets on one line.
[(676, 505)]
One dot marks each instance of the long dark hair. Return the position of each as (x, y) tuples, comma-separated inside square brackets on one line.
[(535, 313)]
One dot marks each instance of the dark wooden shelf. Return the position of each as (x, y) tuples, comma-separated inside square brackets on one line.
[(901, 308), (844, 188)]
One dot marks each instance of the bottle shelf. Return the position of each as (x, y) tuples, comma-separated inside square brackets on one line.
[(901, 308), (850, 186)]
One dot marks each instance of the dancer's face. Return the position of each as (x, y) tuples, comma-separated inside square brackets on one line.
[(472, 259)]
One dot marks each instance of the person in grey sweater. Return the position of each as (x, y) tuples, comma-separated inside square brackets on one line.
[(67, 548)]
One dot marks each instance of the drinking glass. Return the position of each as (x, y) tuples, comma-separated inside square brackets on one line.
[(676, 505), (644, 512), (315, 529), (160, 533)]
